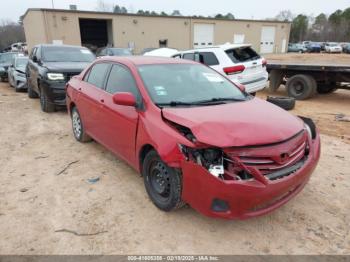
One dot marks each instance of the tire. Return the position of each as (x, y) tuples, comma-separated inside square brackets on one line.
[(163, 183), (31, 92), (323, 88), (78, 127), (287, 103), (45, 105), (301, 87)]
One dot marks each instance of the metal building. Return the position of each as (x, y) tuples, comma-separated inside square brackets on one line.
[(97, 29)]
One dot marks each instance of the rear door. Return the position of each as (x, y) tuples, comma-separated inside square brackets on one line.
[(90, 97), (119, 123)]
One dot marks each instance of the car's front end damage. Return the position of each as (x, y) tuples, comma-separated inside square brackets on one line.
[(246, 178), (249, 181)]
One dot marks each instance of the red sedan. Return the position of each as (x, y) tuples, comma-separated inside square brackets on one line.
[(196, 137)]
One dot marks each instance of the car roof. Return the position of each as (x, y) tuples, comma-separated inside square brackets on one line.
[(223, 47), (145, 60), (54, 45)]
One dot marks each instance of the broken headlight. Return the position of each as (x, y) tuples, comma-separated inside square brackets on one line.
[(210, 158)]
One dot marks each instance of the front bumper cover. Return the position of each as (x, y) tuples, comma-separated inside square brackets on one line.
[(247, 198)]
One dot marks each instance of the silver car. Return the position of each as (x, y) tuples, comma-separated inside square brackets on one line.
[(17, 73)]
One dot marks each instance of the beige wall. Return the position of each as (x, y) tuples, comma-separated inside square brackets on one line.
[(143, 31)]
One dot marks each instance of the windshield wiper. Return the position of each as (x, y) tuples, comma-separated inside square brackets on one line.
[(175, 103), (219, 100), (213, 101)]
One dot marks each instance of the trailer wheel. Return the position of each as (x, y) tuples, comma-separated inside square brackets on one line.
[(287, 103), (301, 87), (323, 88)]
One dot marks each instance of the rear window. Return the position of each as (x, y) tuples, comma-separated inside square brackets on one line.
[(242, 54)]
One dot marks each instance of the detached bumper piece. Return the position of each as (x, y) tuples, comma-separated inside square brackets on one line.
[(257, 180)]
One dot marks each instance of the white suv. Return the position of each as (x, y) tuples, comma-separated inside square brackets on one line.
[(239, 62)]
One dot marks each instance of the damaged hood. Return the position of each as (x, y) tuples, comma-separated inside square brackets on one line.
[(253, 122)]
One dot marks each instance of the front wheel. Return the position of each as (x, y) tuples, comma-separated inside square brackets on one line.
[(163, 183), (46, 106)]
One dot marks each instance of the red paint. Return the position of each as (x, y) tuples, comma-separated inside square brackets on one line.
[(113, 121)]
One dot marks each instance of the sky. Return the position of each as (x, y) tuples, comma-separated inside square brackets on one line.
[(246, 9)]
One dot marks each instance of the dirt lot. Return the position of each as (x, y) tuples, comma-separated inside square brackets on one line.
[(44, 211)]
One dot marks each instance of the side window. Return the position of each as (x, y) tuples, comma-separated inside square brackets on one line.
[(97, 75), (121, 80), (189, 56), (208, 58), (177, 56)]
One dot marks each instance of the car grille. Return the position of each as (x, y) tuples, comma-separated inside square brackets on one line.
[(275, 161)]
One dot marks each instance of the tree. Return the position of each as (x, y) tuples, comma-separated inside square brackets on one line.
[(230, 16), (285, 15), (176, 13), (10, 33), (102, 6), (299, 28), (219, 16), (163, 13)]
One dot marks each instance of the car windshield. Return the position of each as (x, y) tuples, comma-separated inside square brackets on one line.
[(120, 52), (21, 62), (66, 54), (242, 54), (333, 44), (187, 84), (6, 57)]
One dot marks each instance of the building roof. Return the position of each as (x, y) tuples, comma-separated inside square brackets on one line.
[(139, 15)]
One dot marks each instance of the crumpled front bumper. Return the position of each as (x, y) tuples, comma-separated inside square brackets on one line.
[(248, 198)]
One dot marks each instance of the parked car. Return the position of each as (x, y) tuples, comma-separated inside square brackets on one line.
[(239, 62), (50, 67), (296, 48), (313, 47), (346, 49), (163, 52), (17, 73), (5, 62), (333, 48), (148, 49), (112, 51), (195, 136)]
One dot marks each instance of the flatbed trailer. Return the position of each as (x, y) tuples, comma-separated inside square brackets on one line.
[(306, 75)]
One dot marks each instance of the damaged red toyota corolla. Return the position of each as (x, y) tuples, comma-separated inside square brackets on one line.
[(194, 136)]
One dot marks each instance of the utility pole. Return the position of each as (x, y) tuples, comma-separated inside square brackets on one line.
[(53, 5)]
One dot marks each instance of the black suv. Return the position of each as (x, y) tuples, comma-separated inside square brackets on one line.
[(50, 67)]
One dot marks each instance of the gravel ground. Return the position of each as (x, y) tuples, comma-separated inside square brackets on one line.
[(48, 206)]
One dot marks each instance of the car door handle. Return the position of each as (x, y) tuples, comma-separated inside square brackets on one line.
[(102, 100)]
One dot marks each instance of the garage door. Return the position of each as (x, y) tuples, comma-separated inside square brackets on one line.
[(267, 42), (203, 35)]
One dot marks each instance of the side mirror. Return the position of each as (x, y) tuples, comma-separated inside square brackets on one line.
[(124, 99), (35, 59)]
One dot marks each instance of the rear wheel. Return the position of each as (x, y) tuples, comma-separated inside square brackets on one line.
[(163, 183), (78, 128), (301, 87)]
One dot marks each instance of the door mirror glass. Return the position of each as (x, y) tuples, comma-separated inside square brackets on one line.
[(124, 99)]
